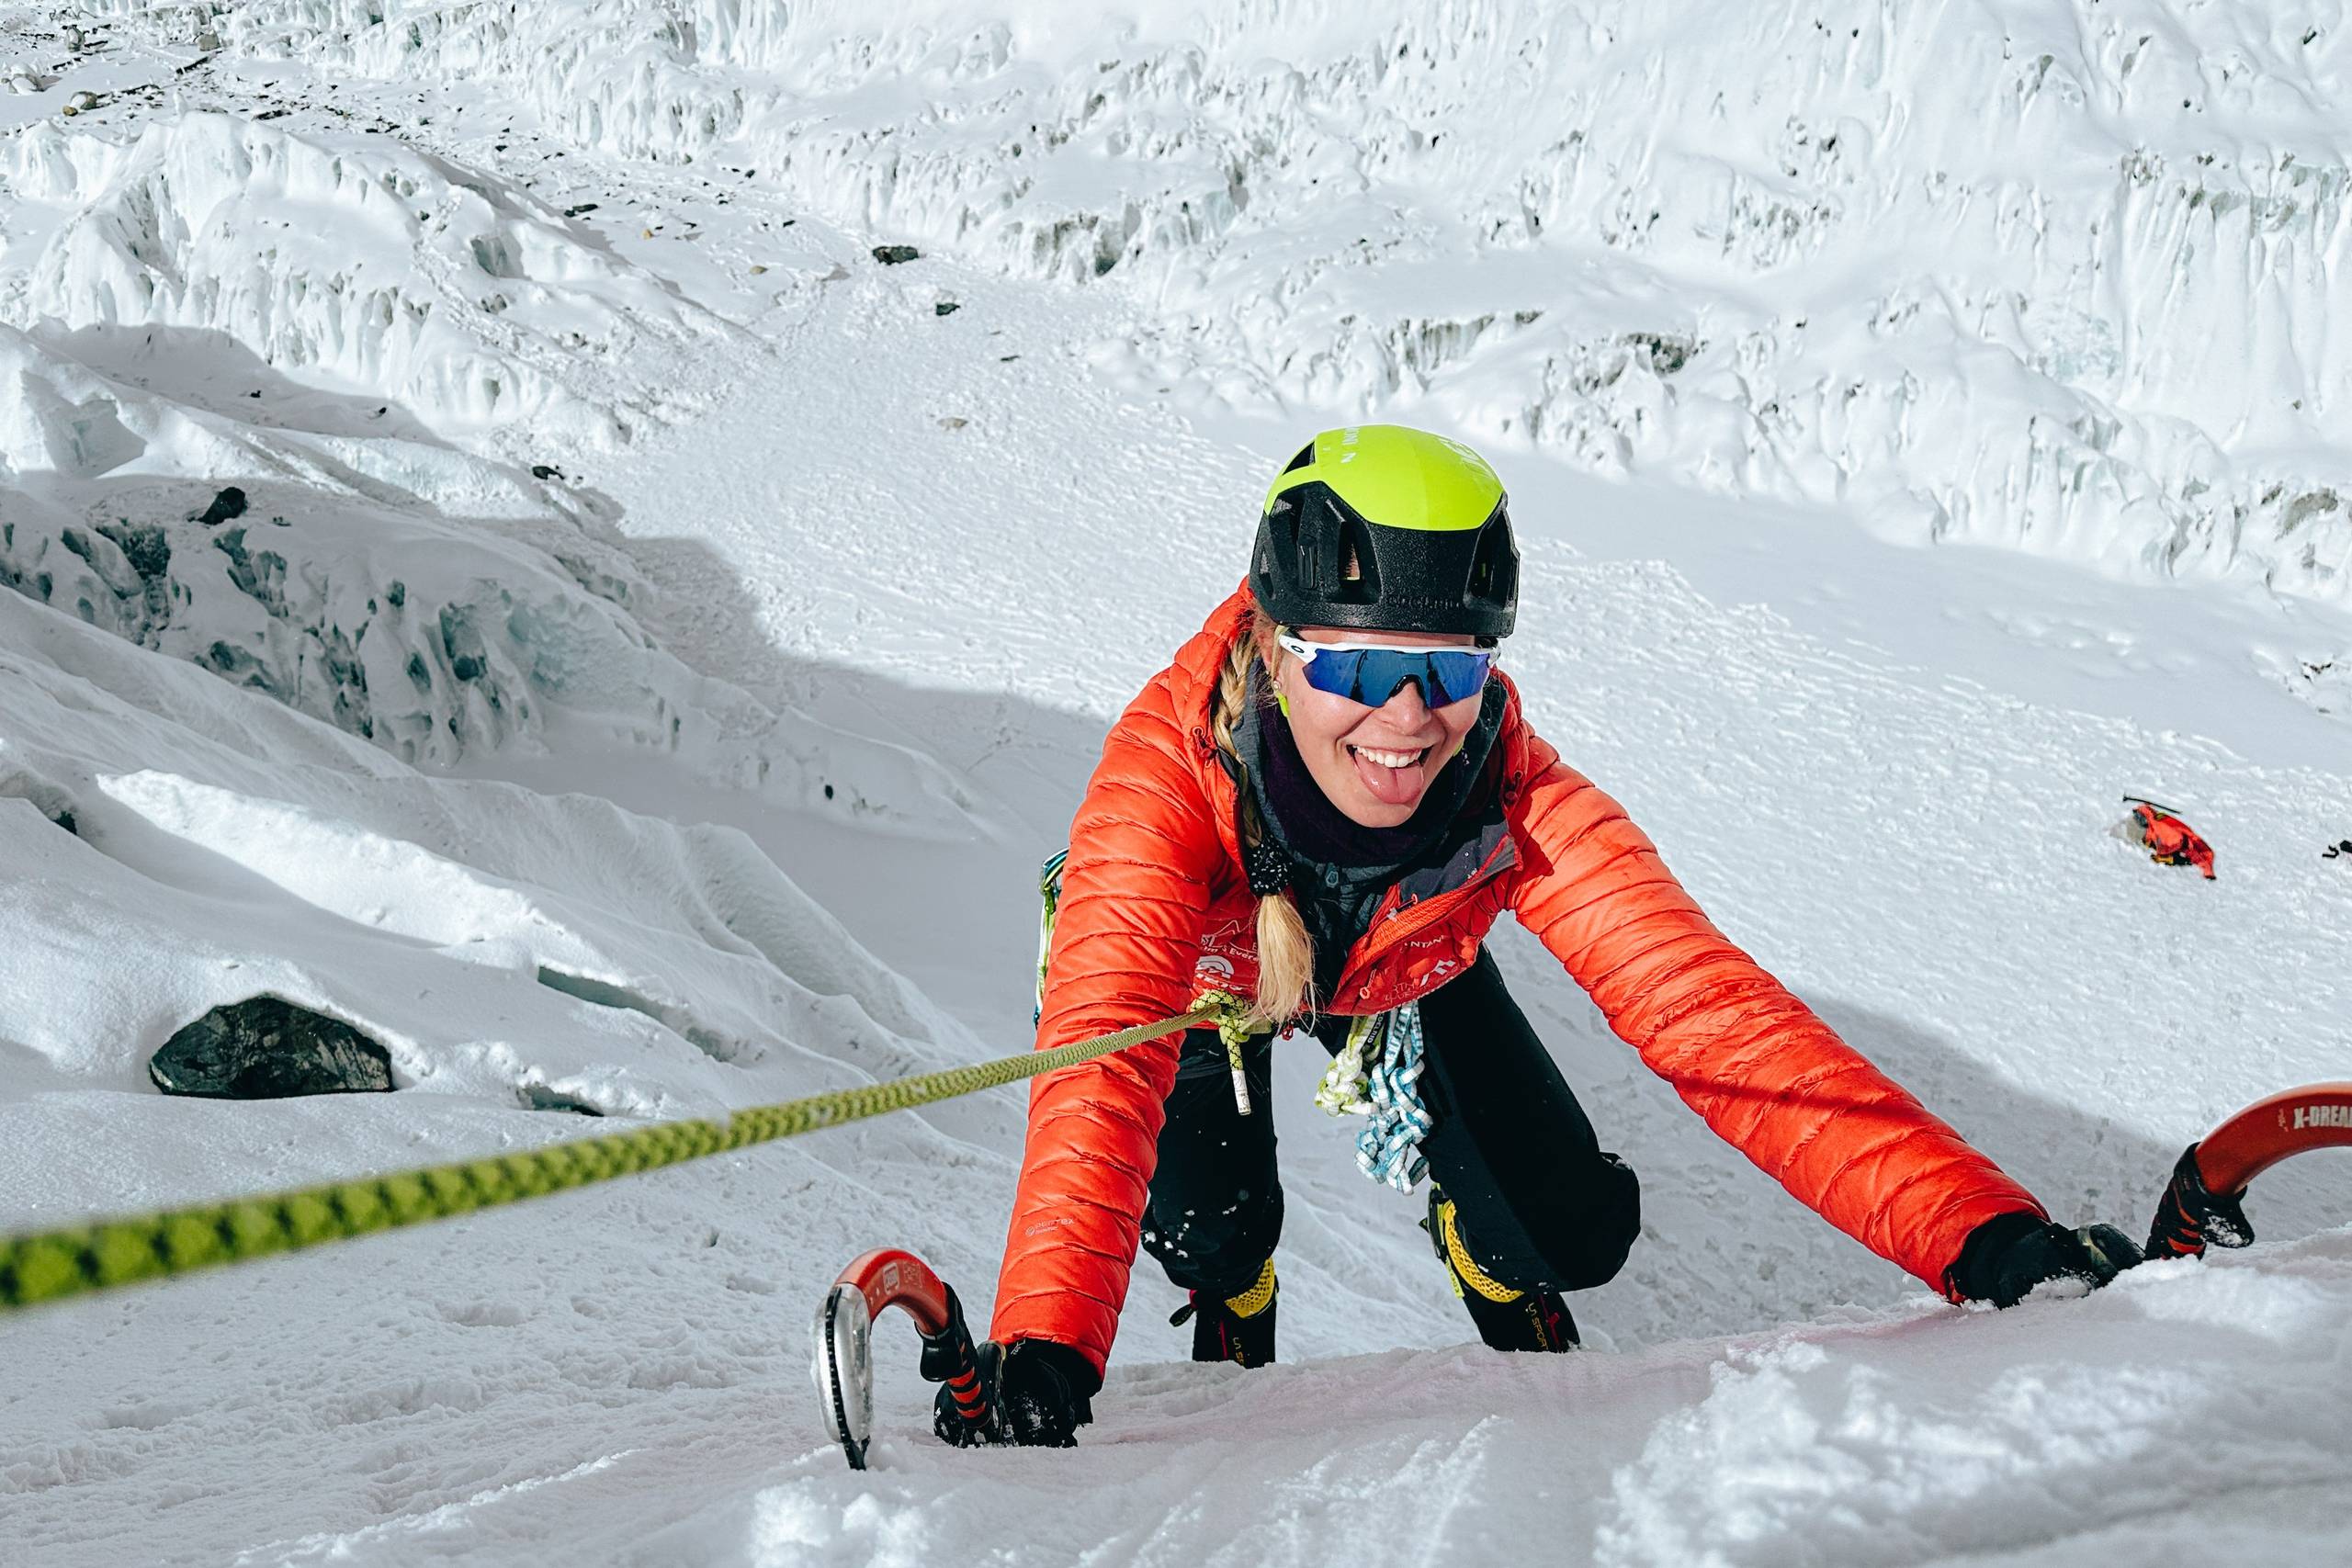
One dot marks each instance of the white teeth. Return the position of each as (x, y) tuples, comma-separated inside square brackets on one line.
[(1388, 758)]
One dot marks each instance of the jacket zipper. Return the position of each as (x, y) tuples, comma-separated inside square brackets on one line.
[(1395, 926)]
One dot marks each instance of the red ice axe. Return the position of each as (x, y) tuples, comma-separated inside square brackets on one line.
[(844, 1334), (2205, 1205)]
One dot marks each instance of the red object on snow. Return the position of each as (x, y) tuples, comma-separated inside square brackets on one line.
[(2168, 839)]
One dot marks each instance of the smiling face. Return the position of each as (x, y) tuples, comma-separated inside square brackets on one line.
[(1373, 763)]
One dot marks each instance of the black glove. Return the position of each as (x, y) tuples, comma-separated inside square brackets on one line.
[(2192, 1218), (2008, 1256), (1040, 1394)]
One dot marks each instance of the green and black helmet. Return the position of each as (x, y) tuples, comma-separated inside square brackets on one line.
[(1386, 528)]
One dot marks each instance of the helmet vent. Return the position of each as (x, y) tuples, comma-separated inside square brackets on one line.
[(1278, 542), (1305, 455), (1494, 571), (1358, 565)]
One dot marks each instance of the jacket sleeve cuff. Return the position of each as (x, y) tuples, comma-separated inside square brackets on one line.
[(1076, 1369)]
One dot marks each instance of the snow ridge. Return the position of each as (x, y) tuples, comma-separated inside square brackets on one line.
[(499, 940), (2063, 279)]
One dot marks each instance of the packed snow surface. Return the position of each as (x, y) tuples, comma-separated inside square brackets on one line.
[(497, 558)]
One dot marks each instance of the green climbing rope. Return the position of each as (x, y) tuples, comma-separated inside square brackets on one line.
[(52, 1265)]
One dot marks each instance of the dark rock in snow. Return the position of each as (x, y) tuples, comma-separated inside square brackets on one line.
[(259, 574), (468, 659), (1668, 352), (225, 658), (145, 547), (945, 307), (892, 255), (267, 1048), (546, 471), (229, 503)]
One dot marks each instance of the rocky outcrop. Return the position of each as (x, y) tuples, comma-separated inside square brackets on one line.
[(268, 1048)]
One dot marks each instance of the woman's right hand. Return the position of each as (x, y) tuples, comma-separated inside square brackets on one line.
[(1039, 1394)]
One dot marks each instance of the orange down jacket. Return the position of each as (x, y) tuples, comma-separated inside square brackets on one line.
[(1155, 908)]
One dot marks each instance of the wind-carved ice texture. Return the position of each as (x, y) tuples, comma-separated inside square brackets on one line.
[(373, 345), (2048, 276), (208, 301), (344, 264), (433, 602), (340, 588)]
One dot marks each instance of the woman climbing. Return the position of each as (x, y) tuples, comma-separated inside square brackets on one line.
[(1321, 807)]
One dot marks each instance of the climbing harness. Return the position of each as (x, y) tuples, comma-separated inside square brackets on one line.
[(1377, 1075)]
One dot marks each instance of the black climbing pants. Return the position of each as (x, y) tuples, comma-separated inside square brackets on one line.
[(1536, 1201)]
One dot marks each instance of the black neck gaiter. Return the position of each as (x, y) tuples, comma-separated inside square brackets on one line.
[(1340, 868)]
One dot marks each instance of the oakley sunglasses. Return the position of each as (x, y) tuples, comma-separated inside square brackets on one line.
[(1372, 672)]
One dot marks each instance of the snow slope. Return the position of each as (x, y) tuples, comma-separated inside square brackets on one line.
[(745, 724)]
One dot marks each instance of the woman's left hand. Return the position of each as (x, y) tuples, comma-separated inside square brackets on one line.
[(1040, 1394), (2008, 1258)]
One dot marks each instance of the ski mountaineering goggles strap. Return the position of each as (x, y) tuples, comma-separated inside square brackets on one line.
[(1371, 673)]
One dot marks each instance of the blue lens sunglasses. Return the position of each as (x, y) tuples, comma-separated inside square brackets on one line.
[(1372, 672)]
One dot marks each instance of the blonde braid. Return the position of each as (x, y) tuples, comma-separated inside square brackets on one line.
[(1286, 953)]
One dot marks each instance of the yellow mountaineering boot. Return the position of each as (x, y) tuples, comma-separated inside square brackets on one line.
[(1508, 1319), (1239, 1327)]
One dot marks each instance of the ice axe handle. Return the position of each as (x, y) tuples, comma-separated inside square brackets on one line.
[(2205, 1205), (2192, 1217), (950, 1357)]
